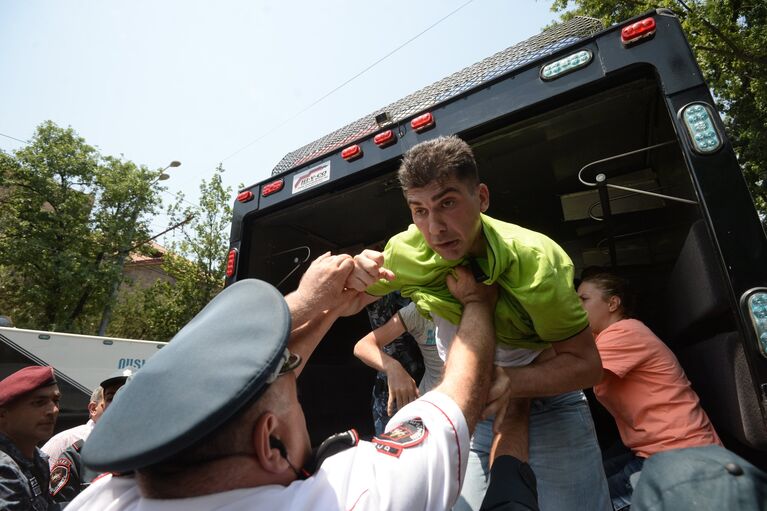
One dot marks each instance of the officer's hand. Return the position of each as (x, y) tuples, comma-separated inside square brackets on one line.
[(322, 285), (498, 398), (402, 388), (467, 290), (368, 269), (352, 302)]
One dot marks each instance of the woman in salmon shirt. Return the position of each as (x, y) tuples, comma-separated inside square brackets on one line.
[(643, 385)]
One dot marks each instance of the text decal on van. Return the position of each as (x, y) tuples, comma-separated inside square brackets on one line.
[(312, 177), (136, 363)]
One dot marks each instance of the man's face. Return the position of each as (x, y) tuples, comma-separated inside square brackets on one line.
[(32, 417), (447, 214), (109, 395), (97, 409)]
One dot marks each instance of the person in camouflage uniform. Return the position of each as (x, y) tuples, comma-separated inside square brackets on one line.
[(404, 349)]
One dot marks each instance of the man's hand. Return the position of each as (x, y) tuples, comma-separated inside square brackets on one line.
[(402, 388), (352, 302), (466, 289), (498, 398), (322, 284), (368, 269), (511, 438)]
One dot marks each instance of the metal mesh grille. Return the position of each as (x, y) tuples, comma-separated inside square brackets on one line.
[(545, 43)]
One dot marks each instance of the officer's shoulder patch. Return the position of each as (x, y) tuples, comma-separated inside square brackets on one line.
[(405, 435), (60, 474)]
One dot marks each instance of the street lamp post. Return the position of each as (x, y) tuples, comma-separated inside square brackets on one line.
[(106, 315)]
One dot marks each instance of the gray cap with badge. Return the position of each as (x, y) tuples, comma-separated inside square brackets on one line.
[(224, 358), (699, 478)]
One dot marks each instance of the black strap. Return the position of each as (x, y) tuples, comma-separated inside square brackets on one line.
[(512, 486)]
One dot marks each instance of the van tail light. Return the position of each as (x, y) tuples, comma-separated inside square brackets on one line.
[(231, 262), (273, 187), (245, 196), (422, 122), (385, 138), (642, 29), (698, 118), (755, 302), (351, 153)]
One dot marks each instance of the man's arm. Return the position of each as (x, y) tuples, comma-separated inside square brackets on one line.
[(369, 349), (368, 269), (512, 482), (321, 287), (319, 300), (469, 365), (575, 364), (13, 486)]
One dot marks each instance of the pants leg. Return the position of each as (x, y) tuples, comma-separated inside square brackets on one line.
[(619, 482), (565, 455), (478, 469)]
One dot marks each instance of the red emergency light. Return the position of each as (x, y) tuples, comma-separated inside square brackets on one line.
[(422, 122), (384, 138), (245, 196), (231, 262), (273, 187), (351, 153), (636, 31)]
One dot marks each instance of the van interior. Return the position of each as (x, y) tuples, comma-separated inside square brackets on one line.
[(536, 163)]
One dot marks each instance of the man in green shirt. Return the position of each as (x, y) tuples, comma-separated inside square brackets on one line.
[(544, 343)]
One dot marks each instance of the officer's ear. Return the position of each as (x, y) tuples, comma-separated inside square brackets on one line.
[(267, 454)]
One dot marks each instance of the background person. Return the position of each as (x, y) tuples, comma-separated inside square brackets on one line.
[(643, 385), (402, 388), (68, 474), (403, 349), (63, 439), (29, 407)]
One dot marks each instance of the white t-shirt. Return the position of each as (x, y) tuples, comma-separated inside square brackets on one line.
[(504, 357), (378, 475), (423, 332), (61, 441)]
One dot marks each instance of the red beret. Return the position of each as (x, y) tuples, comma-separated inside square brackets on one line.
[(24, 381)]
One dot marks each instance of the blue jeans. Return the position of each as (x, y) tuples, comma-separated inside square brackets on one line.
[(564, 454), (619, 469)]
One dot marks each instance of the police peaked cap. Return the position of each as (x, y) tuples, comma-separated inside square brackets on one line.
[(119, 377), (225, 357)]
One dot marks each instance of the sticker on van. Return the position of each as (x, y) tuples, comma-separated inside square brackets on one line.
[(312, 177)]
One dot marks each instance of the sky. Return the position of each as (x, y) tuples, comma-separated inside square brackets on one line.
[(237, 82)]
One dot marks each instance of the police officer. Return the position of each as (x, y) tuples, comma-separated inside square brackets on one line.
[(214, 417), (68, 474), (29, 406)]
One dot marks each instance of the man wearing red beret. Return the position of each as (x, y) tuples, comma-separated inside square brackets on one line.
[(29, 406)]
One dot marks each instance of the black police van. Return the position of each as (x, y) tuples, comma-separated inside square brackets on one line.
[(609, 142)]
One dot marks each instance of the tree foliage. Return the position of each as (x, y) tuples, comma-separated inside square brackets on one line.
[(195, 263), (729, 39), (66, 211)]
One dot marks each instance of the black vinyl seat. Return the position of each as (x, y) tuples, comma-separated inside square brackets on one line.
[(699, 327)]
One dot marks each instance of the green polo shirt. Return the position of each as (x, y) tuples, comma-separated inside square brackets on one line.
[(537, 303)]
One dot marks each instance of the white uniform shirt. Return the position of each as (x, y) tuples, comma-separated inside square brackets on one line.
[(426, 475), (61, 441), (423, 332)]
